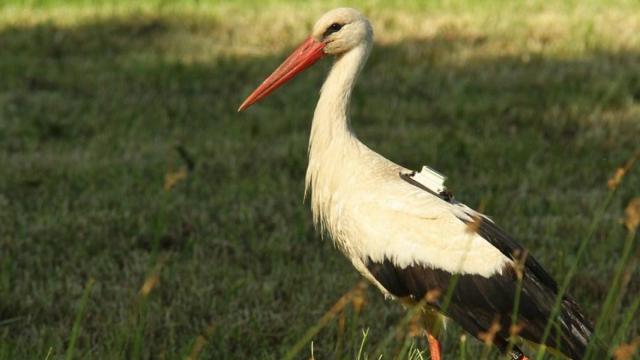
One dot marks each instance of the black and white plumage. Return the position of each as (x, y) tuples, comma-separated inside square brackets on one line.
[(403, 231), (477, 302)]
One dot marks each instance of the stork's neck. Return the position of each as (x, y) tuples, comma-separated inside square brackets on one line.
[(332, 141), (331, 118)]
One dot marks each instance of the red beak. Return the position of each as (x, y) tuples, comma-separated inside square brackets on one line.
[(305, 55)]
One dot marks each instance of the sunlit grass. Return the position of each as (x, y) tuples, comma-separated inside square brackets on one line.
[(120, 149)]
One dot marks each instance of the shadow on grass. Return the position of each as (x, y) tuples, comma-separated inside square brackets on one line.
[(91, 114)]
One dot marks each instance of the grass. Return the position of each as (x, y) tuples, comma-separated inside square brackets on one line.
[(122, 160)]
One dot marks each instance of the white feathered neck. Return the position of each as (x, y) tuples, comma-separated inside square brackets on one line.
[(332, 144)]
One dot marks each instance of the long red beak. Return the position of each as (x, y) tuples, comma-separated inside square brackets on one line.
[(305, 55)]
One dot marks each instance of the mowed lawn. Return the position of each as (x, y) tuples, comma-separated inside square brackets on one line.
[(127, 175)]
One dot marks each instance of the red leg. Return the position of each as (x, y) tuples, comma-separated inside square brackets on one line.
[(434, 347)]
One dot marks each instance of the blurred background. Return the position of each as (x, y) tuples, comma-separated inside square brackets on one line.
[(142, 217)]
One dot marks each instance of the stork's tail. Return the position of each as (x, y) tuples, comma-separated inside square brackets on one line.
[(576, 332)]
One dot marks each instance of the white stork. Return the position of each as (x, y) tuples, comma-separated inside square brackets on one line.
[(402, 230)]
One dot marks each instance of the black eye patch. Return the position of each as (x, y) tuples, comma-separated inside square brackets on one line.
[(331, 29)]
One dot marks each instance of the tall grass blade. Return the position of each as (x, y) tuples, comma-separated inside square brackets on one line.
[(574, 265), (139, 333), (49, 352), (615, 289), (405, 350), (463, 347), (628, 318), (394, 331), (365, 334), (514, 330), (76, 325), (353, 326), (324, 320), (340, 333)]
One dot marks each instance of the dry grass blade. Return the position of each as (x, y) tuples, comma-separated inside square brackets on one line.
[(358, 300), (337, 307), (627, 351), (172, 178), (632, 212), (472, 227), (200, 342), (149, 284), (153, 279), (617, 177), (488, 336)]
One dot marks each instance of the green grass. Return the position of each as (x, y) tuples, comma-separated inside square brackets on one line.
[(528, 107)]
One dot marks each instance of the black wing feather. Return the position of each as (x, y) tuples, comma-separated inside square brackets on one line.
[(497, 237), (477, 302)]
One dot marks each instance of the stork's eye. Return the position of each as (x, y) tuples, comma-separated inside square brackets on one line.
[(333, 28)]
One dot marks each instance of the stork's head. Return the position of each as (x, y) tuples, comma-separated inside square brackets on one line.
[(341, 29), (335, 33)]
